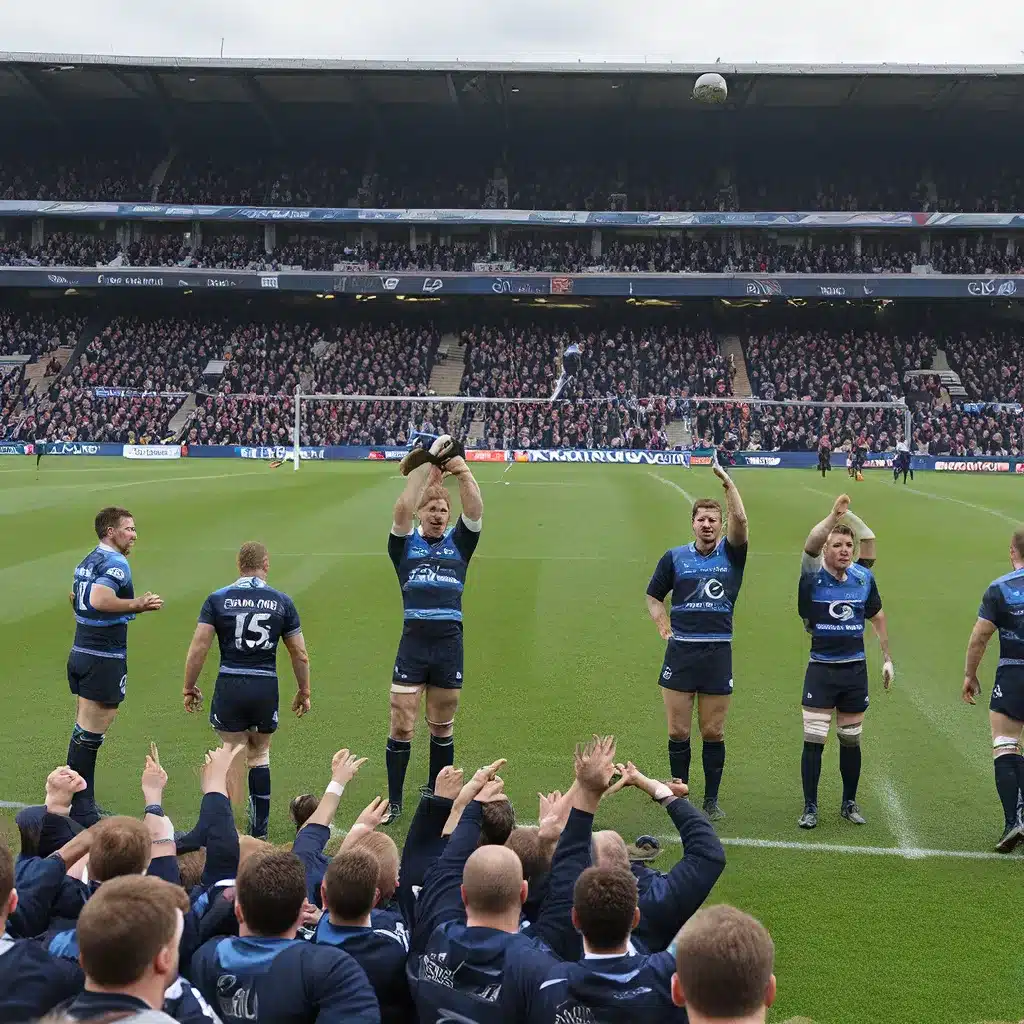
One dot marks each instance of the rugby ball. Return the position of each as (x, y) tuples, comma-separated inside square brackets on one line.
[(710, 88)]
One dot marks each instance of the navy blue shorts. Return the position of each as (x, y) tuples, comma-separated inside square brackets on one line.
[(698, 668), (430, 660), (1008, 692), (96, 678), (241, 703), (843, 686)]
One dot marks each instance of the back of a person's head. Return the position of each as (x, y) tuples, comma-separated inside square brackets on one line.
[(350, 884), (191, 866), (604, 907), (382, 848), (492, 881), (525, 843), (301, 808), (270, 889), (126, 926), (724, 964), (608, 850), (499, 818), (120, 846)]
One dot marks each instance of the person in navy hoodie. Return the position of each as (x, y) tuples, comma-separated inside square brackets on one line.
[(266, 973), (376, 939)]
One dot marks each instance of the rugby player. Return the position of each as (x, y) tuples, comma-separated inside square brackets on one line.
[(570, 368), (836, 597), (248, 618), (431, 562), (704, 577), (104, 602), (824, 456), (902, 463), (1002, 609)]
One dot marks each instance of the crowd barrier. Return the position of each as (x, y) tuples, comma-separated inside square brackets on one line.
[(604, 456)]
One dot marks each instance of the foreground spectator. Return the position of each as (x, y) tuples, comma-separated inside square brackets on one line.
[(724, 965)]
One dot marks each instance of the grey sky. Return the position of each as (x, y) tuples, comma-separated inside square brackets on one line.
[(865, 31)]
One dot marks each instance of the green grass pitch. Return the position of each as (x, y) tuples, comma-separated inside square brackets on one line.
[(558, 646)]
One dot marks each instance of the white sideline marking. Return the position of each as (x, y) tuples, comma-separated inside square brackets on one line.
[(899, 820), (959, 501), (671, 483), (12, 805), (907, 853)]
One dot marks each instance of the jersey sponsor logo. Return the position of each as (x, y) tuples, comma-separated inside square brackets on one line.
[(426, 575), (841, 610), (713, 590), (118, 574)]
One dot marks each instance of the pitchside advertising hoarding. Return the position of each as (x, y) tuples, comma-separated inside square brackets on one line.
[(557, 456)]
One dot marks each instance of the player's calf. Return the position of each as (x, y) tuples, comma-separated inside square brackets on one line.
[(816, 727), (1009, 767), (848, 734), (258, 756)]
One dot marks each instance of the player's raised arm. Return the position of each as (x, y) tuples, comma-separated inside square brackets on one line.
[(983, 631), (819, 534), (736, 526), (411, 497), (469, 492), (864, 536), (202, 641)]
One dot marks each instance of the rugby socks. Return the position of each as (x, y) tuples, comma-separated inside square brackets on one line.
[(442, 754), (849, 769), (810, 770), (82, 753), (713, 757), (259, 800), (1007, 768), (679, 759), (397, 759)]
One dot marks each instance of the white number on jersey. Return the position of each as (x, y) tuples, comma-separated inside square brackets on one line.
[(251, 632)]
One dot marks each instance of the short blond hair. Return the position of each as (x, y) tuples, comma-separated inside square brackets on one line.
[(252, 556), (435, 492), (1018, 541)]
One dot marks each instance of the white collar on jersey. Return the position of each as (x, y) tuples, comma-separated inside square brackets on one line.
[(630, 951), (106, 547), (249, 581)]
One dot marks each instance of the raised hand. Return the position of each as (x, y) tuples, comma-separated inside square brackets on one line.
[(595, 765), (154, 778), (492, 792), (841, 507), (553, 815), (344, 767), (483, 775), (61, 786), (217, 767), (449, 782), (373, 814), (717, 469)]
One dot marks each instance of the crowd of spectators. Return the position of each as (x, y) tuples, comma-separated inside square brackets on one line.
[(821, 365), (37, 332), (130, 918), (706, 253), (990, 364), (76, 175), (77, 414), (520, 360)]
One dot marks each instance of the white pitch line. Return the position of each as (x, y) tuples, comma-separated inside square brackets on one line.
[(907, 853), (899, 819), (959, 501), (671, 483), (12, 805)]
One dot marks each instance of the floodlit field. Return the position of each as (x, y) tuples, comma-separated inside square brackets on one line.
[(919, 926)]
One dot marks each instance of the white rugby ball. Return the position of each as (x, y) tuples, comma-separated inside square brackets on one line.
[(710, 88)]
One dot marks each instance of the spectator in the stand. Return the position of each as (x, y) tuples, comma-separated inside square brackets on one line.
[(724, 968)]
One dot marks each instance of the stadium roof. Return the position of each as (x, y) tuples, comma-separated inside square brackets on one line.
[(60, 81)]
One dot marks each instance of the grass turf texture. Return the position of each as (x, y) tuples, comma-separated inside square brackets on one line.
[(558, 645)]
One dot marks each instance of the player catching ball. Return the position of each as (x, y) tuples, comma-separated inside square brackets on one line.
[(836, 597), (1002, 609), (704, 578), (431, 562)]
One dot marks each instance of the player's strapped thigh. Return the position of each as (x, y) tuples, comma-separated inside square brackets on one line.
[(1005, 745), (849, 733), (816, 725), (441, 705)]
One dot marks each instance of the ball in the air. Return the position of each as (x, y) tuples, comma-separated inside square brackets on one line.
[(710, 88)]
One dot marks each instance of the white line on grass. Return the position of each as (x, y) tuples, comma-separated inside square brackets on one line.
[(671, 483), (12, 805), (899, 820), (959, 501)]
